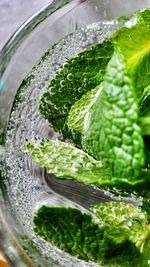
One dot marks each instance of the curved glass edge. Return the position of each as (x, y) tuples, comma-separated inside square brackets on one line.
[(11, 46), (9, 246), (16, 247)]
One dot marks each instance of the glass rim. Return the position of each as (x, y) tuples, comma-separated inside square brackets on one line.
[(26, 27)]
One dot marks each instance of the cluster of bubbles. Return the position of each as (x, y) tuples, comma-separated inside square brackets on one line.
[(26, 188)]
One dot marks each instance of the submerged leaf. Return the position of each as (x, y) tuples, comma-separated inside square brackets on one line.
[(125, 222), (66, 161), (80, 109), (79, 235), (70, 230), (70, 163), (111, 132), (76, 77)]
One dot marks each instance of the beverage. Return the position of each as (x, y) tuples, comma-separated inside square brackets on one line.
[(26, 188), (98, 101)]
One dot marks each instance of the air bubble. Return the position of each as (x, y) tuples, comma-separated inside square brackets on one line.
[(26, 122), (62, 83), (70, 77), (80, 89), (65, 65)]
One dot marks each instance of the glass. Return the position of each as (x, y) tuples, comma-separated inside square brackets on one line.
[(18, 56)]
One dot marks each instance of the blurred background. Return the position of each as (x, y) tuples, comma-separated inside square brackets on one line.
[(13, 13)]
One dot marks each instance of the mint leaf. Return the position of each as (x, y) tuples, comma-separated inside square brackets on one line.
[(111, 132), (79, 235), (66, 161), (81, 108), (134, 44), (70, 230), (125, 222), (76, 77)]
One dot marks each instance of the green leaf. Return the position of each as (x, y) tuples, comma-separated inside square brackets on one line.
[(81, 108), (143, 17), (76, 77), (125, 222), (111, 130), (66, 161), (70, 230), (70, 163), (134, 44), (79, 235)]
